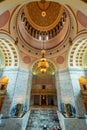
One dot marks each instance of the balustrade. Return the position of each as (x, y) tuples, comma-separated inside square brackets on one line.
[(51, 33)]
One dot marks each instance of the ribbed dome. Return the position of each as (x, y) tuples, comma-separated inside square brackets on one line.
[(43, 20), (43, 16)]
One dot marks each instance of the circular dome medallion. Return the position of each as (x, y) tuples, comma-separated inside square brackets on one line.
[(60, 59), (26, 59), (43, 13)]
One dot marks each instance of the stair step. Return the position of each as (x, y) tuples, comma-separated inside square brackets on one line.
[(39, 118)]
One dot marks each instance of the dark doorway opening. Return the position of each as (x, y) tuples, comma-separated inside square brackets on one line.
[(43, 99)]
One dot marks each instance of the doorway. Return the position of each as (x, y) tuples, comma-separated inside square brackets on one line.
[(43, 99), (36, 99), (50, 100)]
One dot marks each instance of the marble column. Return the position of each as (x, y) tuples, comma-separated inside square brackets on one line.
[(22, 88), (11, 73), (64, 88), (75, 74)]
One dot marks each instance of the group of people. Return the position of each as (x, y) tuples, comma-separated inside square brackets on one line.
[(58, 127), (54, 128)]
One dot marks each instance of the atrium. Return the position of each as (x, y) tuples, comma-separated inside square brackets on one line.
[(43, 64)]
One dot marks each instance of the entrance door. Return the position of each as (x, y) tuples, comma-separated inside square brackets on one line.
[(50, 100), (36, 99), (43, 99)]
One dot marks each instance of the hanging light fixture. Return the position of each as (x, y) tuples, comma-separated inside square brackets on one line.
[(43, 64)]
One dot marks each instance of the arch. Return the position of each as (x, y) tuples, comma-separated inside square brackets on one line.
[(50, 70), (78, 52), (8, 51), (43, 85)]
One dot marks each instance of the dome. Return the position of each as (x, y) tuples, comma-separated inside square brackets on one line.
[(43, 21)]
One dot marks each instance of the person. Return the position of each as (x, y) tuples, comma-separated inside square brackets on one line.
[(44, 127), (58, 127), (53, 128)]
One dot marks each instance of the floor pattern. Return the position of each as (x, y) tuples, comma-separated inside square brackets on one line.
[(39, 118)]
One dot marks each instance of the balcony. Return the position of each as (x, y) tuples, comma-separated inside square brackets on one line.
[(43, 91)]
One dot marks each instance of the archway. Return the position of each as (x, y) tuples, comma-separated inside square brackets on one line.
[(78, 69), (8, 69), (43, 90)]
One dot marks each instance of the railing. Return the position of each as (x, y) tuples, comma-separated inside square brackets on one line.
[(51, 33), (11, 123), (43, 91)]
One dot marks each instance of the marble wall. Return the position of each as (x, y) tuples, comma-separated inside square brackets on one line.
[(75, 74), (72, 123), (18, 89), (64, 88), (15, 123), (22, 88), (68, 89), (11, 73)]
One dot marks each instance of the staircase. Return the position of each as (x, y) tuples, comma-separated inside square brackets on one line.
[(39, 118)]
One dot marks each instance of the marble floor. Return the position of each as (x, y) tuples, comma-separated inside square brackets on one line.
[(41, 117)]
